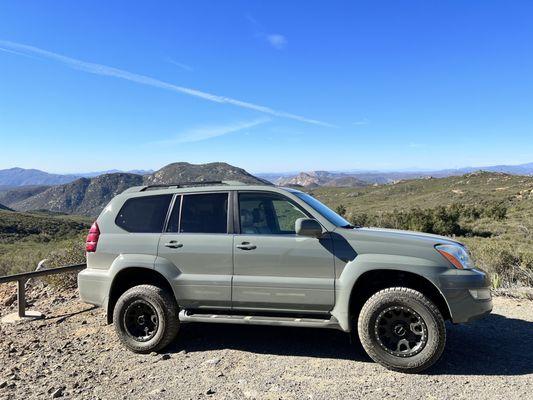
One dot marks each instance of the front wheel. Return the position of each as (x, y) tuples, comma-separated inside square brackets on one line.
[(402, 330), (146, 318)]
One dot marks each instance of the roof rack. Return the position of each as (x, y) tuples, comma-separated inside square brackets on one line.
[(186, 184)]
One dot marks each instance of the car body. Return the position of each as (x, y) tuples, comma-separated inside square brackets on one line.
[(274, 256)]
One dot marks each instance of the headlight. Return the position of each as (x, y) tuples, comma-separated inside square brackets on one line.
[(456, 254)]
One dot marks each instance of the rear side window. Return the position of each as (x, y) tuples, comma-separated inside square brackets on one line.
[(204, 213), (144, 214)]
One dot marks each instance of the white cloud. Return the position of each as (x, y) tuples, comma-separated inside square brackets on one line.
[(181, 65), (364, 121), (105, 70), (277, 41), (207, 132)]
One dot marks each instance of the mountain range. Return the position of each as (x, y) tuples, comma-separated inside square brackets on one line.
[(13, 177), (22, 177), (88, 196), (362, 178)]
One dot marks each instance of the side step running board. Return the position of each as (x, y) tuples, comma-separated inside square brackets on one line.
[(187, 316)]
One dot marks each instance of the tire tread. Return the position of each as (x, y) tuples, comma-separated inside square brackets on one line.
[(399, 292)]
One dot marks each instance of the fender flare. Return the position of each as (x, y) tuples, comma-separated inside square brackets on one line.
[(363, 263)]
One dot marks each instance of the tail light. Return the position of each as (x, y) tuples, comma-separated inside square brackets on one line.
[(92, 238)]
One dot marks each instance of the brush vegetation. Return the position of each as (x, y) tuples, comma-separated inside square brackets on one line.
[(27, 238), (492, 213)]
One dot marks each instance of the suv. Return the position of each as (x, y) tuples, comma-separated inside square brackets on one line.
[(241, 254)]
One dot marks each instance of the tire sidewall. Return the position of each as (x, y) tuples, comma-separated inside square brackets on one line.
[(153, 299), (431, 317)]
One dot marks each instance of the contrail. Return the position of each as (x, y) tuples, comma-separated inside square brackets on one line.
[(99, 69)]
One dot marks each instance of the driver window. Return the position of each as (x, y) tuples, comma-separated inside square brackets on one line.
[(268, 214)]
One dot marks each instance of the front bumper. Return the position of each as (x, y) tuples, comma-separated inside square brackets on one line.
[(467, 293)]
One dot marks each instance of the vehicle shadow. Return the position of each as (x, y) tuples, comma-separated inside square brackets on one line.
[(495, 345), (276, 340)]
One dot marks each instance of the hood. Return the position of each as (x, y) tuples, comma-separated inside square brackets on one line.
[(384, 234)]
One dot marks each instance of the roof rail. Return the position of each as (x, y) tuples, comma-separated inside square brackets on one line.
[(185, 184)]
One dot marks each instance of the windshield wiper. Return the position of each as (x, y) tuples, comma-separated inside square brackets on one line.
[(349, 226)]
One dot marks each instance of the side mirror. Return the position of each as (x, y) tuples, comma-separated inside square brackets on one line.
[(308, 227)]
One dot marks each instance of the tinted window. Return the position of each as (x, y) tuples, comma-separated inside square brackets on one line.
[(262, 213), (144, 214), (173, 221), (204, 213)]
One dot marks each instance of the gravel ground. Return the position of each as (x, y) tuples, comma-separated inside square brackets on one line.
[(74, 354)]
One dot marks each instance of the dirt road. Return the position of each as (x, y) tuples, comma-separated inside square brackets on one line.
[(74, 354)]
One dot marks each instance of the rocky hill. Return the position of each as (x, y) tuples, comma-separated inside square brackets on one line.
[(14, 177), (18, 194), (321, 178), (88, 196), (185, 172), (2, 207), (474, 189), (85, 196)]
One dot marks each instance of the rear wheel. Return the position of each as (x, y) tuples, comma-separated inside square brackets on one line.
[(146, 318), (402, 330)]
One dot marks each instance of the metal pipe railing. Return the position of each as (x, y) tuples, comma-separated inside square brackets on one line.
[(22, 278)]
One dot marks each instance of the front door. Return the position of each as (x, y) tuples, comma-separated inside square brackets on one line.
[(275, 269), (198, 245)]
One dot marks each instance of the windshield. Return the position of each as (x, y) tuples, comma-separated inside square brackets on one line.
[(327, 212)]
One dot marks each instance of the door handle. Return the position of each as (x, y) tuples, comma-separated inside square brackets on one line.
[(246, 246), (173, 244)]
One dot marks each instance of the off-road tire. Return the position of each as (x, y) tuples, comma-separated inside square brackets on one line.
[(166, 310), (409, 298)]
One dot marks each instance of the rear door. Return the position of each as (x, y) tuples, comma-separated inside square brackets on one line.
[(274, 269), (197, 243)]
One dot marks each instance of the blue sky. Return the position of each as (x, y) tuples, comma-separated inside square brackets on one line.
[(268, 86)]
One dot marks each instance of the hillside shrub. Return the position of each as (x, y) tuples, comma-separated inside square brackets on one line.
[(440, 220), (72, 253), (341, 210), (506, 264)]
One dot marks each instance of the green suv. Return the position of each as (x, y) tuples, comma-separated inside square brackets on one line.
[(224, 252)]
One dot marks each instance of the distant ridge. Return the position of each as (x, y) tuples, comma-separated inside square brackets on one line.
[(329, 178), (4, 208), (84, 196), (88, 196), (14, 177), (24, 177), (19, 193), (21, 177)]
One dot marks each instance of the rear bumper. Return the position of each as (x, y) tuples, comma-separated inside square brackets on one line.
[(459, 290), (93, 286)]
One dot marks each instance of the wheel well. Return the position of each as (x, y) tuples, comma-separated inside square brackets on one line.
[(373, 281), (130, 277)]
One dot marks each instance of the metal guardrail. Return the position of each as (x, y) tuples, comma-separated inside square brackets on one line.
[(21, 280)]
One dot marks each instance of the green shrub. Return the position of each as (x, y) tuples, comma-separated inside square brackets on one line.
[(440, 220), (341, 210), (506, 264), (72, 253)]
